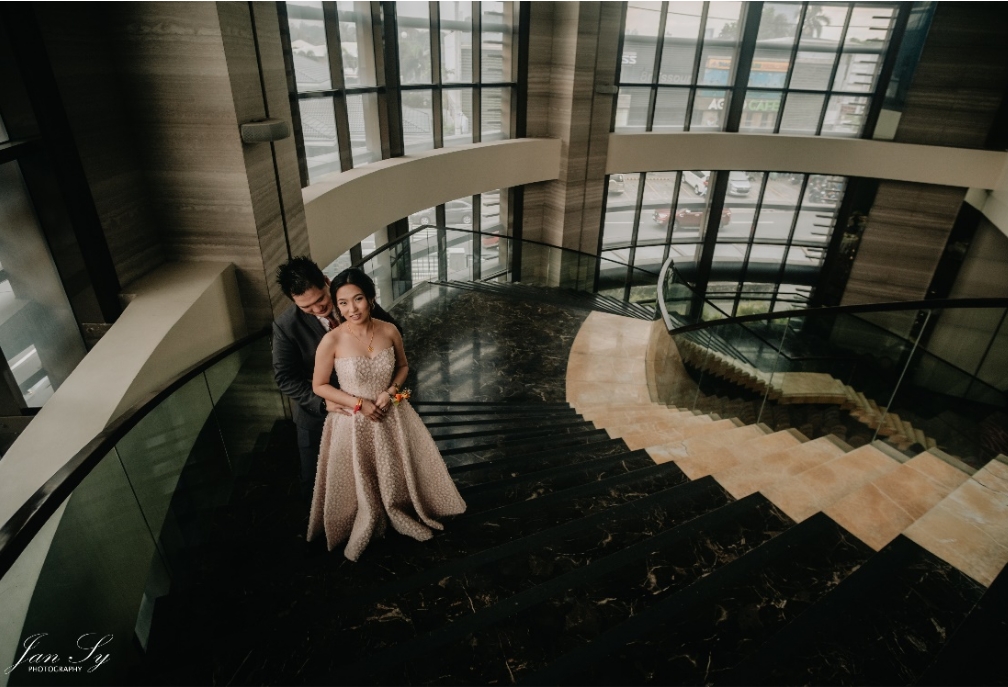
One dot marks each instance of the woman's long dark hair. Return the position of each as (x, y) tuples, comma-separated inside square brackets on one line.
[(360, 279)]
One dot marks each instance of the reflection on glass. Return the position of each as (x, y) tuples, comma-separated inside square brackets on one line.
[(458, 255), (365, 137), (631, 108), (456, 116), (308, 46), (356, 42), (709, 108), (495, 120), (422, 217), (742, 194), (496, 31), (670, 109), (820, 39), (39, 335), (717, 59), (318, 124), (640, 41), (857, 72), (780, 201), (459, 213), (654, 218), (456, 42), (418, 121), (682, 28), (764, 265), (414, 42), (690, 216), (801, 114), (772, 58), (759, 112), (649, 258), (819, 208), (490, 212), (845, 115), (619, 217)]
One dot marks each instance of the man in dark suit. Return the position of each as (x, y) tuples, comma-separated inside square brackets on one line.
[(296, 334)]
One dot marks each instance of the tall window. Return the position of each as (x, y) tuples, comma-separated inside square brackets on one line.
[(334, 66), (810, 69), (453, 67), (813, 69)]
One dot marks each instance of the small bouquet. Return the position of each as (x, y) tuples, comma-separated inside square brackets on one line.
[(402, 395)]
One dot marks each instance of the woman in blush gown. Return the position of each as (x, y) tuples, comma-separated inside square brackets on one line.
[(378, 463)]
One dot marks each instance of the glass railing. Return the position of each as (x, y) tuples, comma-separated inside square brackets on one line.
[(84, 562), (863, 373), (430, 253)]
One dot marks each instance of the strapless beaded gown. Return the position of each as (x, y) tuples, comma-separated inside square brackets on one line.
[(372, 473)]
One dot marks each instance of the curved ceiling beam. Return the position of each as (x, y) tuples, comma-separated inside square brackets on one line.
[(344, 208), (652, 152)]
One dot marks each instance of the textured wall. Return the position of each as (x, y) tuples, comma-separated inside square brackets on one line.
[(572, 47), (953, 100), (191, 77), (86, 71)]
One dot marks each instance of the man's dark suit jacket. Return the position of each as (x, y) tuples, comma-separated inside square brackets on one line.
[(296, 335)]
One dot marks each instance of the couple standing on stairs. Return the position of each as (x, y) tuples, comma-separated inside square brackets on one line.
[(340, 357)]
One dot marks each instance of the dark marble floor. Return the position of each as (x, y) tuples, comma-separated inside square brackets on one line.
[(469, 346)]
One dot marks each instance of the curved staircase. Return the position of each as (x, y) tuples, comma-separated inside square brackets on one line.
[(614, 540)]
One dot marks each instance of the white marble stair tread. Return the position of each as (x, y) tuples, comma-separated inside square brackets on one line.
[(648, 439), (751, 476), (708, 455), (880, 510), (815, 489), (969, 528)]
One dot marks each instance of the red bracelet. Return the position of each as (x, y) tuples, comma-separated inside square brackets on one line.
[(360, 403)]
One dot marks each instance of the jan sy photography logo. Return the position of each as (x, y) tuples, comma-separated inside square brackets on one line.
[(37, 657)]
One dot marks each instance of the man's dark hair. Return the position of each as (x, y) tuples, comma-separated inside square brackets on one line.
[(299, 274)]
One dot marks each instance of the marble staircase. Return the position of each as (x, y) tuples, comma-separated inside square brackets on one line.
[(789, 388)]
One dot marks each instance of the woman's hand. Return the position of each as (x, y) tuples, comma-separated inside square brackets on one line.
[(384, 401), (372, 411)]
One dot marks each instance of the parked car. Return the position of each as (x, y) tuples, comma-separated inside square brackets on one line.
[(617, 184), (457, 212), (688, 218), (738, 184), (698, 181)]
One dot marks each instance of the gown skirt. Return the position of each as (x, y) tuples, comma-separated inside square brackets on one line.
[(372, 473)]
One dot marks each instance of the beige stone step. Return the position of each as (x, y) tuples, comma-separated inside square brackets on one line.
[(814, 490), (619, 415), (880, 510), (647, 439), (721, 452), (969, 528), (748, 477), (656, 426)]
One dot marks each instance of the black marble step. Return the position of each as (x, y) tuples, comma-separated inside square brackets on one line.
[(709, 627), (882, 625), (396, 557), (558, 296), (974, 653), (526, 463), (506, 431), (526, 631), (528, 487), (487, 452), (461, 421), (424, 408), (435, 597)]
